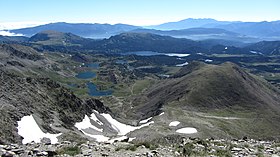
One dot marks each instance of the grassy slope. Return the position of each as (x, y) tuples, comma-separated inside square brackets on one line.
[(220, 101)]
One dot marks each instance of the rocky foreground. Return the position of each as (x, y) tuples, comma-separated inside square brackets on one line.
[(188, 147)]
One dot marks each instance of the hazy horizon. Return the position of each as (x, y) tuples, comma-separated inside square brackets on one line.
[(18, 25), (18, 13)]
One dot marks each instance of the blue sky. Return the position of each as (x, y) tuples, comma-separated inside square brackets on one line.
[(137, 12)]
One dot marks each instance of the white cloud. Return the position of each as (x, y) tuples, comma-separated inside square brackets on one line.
[(8, 33), (17, 25)]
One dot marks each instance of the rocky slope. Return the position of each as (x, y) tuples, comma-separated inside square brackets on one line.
[(47, 100), (184, 147), (55, 108), (265, 47), (15, 57)]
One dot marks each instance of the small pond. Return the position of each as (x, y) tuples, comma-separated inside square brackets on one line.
[(86, 75), (93, 91)]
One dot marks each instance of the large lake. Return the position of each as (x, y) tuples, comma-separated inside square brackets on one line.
[(151, 53)]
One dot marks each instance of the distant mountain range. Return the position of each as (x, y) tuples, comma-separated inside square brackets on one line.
[(201, 33), (266, 30), (189, 23), (196, 29), (255, 29), (81, 29), (138, 40)]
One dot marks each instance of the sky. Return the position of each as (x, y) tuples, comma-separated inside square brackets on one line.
[(135, 12)]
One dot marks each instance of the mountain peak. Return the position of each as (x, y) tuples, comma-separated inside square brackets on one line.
[(210, 87), (51, 37), (187, 23), (199, 19)]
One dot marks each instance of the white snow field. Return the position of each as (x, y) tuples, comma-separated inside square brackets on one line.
[(86, 124), (30, 131), (98, 138), (122, 129)]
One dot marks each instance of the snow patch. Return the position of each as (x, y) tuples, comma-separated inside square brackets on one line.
[(30, 131), (131, 139), (187, 130), (226, 48), (180, 58), (174, 123), (121, 128), (161, 114), (98, 138), (86, 124), (163, 75), (208, 60), (255, 52), (180, 65), (145, 120)]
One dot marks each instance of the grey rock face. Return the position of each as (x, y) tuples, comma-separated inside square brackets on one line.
[(46, 141)]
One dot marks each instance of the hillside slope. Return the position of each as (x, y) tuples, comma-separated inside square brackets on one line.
[(130, 42), (220, 100), (266, 47), (58, 38)]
